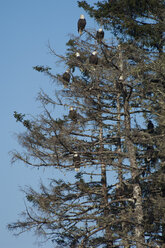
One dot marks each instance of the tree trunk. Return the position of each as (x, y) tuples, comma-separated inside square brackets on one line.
[(137, 194), (120, 171), (104, 182)]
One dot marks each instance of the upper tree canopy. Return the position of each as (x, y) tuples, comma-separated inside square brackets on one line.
[(142, 20)]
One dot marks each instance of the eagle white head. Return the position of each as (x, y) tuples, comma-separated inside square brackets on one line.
[(100, 29), (71, 108), (94, 53), (82, 17), (77, 54), (67, 71)]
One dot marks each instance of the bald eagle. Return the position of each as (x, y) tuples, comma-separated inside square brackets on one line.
[(149, 153), (93, 59), (73, 114), (76, 161), (81, 24), (100, 35), (78, 56), (66, 76), (150, 127)]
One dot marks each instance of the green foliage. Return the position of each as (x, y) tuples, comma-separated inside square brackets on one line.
[(27, 124), (41, 68), (141, 20), (30, 198), (20, 117), (71, 44)]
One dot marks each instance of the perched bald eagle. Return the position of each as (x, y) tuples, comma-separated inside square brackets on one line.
[(73, 114), (76, 161), (78, 56), (66, 76), (81, 24), (100, 35), (93, 59), (150, 127), (149, 153)]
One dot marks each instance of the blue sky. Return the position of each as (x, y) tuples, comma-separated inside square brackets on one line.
[(26, 27)]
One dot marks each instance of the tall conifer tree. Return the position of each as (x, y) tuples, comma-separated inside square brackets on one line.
[(103, 137), (143, 22)]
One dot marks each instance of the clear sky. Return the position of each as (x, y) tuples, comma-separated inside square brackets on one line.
[(25, 29)]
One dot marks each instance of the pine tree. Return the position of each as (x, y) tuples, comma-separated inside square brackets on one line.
[(102, 136), (141, 20)]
